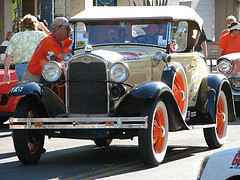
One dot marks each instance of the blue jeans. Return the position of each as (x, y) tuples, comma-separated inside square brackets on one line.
[(20, 69)]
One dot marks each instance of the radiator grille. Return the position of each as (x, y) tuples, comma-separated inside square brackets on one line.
[(235, 83), (87, 89)]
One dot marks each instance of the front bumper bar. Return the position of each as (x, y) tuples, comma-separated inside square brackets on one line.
[(79, 123)]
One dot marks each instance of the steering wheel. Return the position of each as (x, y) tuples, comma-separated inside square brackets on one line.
[(143, 39)]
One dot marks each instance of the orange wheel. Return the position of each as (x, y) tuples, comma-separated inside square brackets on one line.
[(158, 131), (153, 141), (215, 137), (220, 117), (179, 91), (175, 78)]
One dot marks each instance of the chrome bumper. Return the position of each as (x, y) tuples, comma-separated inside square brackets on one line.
[(79, 123)]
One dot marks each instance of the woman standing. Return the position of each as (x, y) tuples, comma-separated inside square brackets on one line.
[(22, 45), (7, 39), (6, 42)]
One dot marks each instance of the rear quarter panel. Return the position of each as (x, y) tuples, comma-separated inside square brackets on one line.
[(195, 68), (11, 103)]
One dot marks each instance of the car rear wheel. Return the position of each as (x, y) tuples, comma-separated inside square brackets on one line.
[(176, 79), (153, 140), (215, 137), (28, 143), (102, 142)]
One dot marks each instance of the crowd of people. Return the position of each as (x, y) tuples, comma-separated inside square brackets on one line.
[(53, 42), (28, 48), (229, 39), (22, 45)]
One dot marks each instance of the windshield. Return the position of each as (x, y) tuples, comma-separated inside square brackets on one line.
[(156, 34)]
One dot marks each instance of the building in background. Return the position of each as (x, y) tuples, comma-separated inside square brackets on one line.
[(213, 12)]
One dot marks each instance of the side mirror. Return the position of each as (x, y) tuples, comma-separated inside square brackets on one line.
[(51, 56), (166, 58)]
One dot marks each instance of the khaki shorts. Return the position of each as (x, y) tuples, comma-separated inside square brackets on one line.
[(29, 77)]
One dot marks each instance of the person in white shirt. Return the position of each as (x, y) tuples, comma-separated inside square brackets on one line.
[(22, 45)]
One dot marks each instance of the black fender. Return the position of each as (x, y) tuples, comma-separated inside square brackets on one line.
[(23, 89), (145, 93), (43, 95), (207, 99)]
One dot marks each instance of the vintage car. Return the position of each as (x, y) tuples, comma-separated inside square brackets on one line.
[(7, 104), (228, 65), (132, 72), (221, 165)]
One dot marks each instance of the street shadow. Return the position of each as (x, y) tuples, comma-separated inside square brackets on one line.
[(4, 128), (89, 162), (7, 155), (237, 122), (180, 152), (5, 135)]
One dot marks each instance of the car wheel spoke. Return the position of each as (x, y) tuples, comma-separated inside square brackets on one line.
[(220, 117), (178, 91), (158, 131)]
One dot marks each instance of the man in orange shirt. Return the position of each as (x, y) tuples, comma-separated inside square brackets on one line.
[(67, 45), (230, 42), (53, 42)]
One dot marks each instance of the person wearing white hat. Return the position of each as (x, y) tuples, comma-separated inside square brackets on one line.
[(53, 42), (230, 42), (229, 21)]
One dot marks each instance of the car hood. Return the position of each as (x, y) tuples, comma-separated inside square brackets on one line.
[(125, 54), (224, 163)]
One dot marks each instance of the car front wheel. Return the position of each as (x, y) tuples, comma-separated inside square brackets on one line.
[(28, 143), (153, 140)]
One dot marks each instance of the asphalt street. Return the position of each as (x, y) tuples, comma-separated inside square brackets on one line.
[(72, 159)]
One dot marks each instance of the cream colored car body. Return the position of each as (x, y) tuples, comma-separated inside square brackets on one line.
[(132, 72)]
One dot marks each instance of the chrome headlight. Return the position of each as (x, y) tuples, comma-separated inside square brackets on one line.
[(119, 72), (51, 71), (224, 66)]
